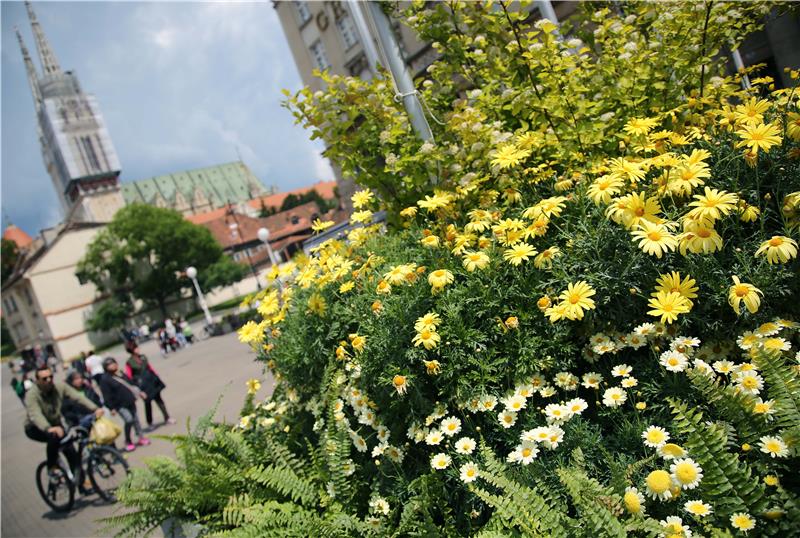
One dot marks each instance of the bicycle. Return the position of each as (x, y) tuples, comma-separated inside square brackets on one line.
[(104, 465)]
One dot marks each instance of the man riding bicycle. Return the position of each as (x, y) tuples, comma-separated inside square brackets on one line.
[(44, 422)]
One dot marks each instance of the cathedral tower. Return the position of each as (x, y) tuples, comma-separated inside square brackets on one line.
[(76, 147)]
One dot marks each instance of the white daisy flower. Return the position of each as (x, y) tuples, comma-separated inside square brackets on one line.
[(655, 436), (450, 426), (465, 446), (686, 473), (614, 397)]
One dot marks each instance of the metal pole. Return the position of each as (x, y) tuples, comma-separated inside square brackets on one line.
[(547, 11), (366, 36), (202, 300), (241, 244), (737, 61), (272, 257), (399, 70)]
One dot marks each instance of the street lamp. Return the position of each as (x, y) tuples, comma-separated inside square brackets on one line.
[(191, 272), (263, 235)]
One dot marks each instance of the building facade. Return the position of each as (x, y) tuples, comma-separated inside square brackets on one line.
[(76, 146), (197, 191), (44, 303), (326, 36)]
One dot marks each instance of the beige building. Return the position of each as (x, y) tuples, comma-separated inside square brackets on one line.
[(44, 303)]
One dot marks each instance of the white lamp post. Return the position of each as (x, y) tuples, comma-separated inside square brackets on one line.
[(191, 272), (263, 235)]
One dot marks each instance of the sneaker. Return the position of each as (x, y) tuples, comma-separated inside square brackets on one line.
[(130, 447), (144, 441), (169, 421)]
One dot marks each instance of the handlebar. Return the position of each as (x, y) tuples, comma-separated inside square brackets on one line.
[(74, 433)]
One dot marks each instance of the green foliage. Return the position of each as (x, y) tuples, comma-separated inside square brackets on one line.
[(294, 200), (144, 250), (110, 315), (8, 258)]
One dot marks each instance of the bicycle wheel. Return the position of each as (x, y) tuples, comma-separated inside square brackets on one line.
[(55, 487), (108, 469)]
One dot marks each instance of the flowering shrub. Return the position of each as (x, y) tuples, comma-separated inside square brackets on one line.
[(582, 322)]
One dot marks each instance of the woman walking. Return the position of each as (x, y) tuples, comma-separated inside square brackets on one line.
[(141, 374), (120, 396)]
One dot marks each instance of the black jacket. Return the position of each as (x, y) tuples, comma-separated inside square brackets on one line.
[(73, 411), (116, 393)]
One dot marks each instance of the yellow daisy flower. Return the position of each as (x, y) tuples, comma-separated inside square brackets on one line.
[(742, 292), (778, 249)]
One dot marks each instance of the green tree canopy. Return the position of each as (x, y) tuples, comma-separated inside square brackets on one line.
[(144, 251), (8, 257)]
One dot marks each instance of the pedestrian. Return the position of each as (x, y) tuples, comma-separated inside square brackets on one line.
[(73, 411), (79, 364), (40, 357), (162, 342), (120, 396), (19, 388), (94, 365), (186, 328), (139, 371), (179, 336)]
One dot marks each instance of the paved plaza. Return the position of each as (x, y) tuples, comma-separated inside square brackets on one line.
[(195, 377)]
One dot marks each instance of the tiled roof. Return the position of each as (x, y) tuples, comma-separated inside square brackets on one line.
[(219, 185), (17, 236), (324, 188), (233, 229)]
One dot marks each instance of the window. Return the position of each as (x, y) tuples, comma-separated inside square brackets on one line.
[(28, 296), (302, 12), (88, 147), (347, 31), (320, 58)]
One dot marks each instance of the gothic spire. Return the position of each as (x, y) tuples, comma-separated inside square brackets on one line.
[(31, 69), (46, 55)]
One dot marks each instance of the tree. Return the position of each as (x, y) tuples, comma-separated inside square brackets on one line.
[(295, 200), (8, 257), (266, 211), (110, 314), (145, 250)]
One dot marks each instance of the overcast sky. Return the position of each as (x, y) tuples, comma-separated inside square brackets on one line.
[(181, 85)]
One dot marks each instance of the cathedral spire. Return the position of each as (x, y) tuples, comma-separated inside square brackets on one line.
[(31, 70), (46, 55)]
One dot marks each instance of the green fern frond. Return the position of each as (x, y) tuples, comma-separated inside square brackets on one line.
[(597, 505), (521, 505), (285, 482), (734, 406), (726, 480), (783, 386)]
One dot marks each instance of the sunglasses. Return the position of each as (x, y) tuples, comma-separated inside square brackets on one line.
[(46, 378)]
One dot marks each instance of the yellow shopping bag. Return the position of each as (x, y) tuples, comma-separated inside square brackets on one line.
[(104, 431)]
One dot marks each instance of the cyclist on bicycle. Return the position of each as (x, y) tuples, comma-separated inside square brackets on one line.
[(44, 422)]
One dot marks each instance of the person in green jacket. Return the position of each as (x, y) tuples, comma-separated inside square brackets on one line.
[(44, 422)]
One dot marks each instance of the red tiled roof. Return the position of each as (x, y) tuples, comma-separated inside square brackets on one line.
[(18, 236), (324, 188), (231, 232)]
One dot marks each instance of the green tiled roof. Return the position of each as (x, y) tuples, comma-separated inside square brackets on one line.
[(231, 182)]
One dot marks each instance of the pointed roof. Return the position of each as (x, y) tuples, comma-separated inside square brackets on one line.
[(47, 57), (31, 71), (12, 233)]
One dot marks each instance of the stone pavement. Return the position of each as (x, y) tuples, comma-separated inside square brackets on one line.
[(195, 377)]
